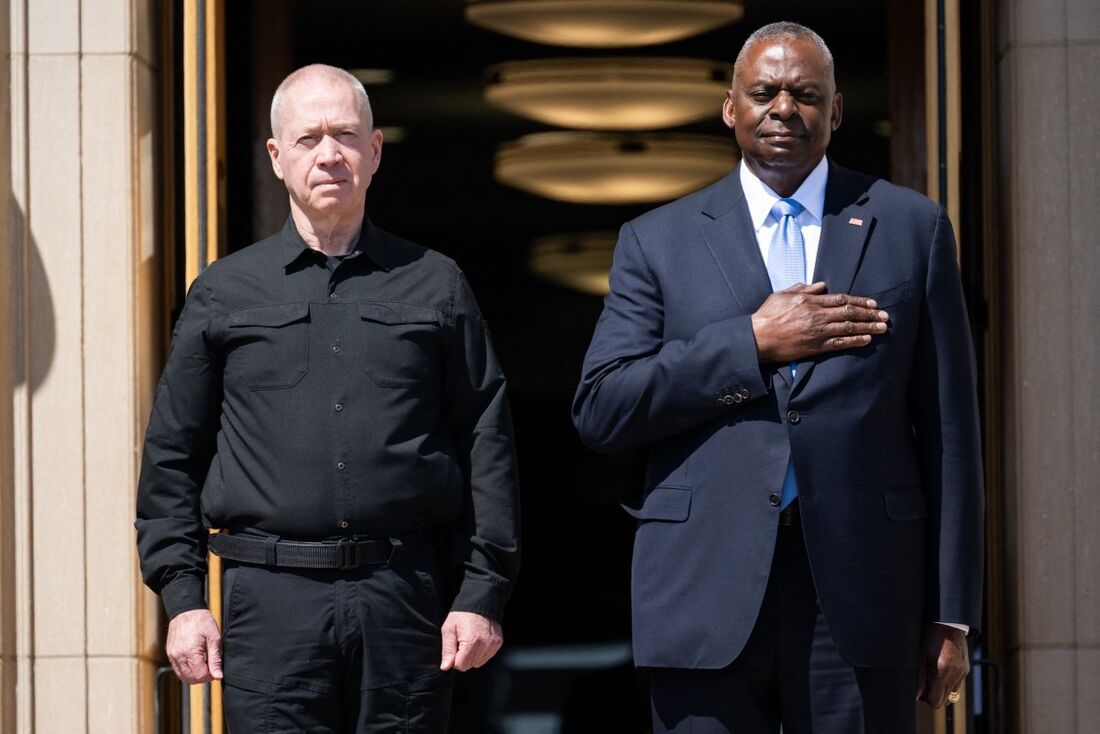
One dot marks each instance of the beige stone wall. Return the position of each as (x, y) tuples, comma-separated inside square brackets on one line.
[(1049, 92), (80, 323)]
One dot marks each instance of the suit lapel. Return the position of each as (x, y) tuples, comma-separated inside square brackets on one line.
[(846, 227), (732, 242)]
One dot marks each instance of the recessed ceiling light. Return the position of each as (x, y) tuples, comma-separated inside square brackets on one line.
[(372, 77), (393, 134), (606, 168), (602, 23), (580, 260), (610, 93)]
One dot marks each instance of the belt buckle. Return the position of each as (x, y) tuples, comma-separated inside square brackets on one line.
[(347, 554)]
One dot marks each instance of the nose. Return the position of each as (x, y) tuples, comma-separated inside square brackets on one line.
[(328, 151), (784, 107)]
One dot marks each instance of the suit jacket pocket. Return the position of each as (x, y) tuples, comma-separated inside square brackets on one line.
[(893, 295), (667, 503), (905, 503)]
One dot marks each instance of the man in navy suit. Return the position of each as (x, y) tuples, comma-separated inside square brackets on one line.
[(791, 344)]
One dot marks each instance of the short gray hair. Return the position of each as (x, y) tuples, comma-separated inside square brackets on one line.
[(782, 31), (331, 74)]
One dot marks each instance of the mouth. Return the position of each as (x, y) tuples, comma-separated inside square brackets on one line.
[(333, 182), (783, 137)]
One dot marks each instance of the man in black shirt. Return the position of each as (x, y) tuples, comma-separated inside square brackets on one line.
[(333, 402)]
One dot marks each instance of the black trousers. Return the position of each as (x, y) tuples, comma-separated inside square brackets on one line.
[(789, 673), (335, 651)]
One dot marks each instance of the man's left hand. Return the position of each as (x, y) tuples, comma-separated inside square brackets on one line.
[(944, 663), (469, 640)]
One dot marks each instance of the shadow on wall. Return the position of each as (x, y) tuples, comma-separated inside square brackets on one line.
[(29, 331), (33, 313)]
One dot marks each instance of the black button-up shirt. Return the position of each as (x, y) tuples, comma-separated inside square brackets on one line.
[(313, 398)]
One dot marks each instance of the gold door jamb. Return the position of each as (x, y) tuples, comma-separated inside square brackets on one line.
[(204, 133), (943, 111), (204, 232), (943, 148)]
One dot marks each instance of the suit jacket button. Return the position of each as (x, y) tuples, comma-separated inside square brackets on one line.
[(744, 392), (737, 397), (727, 400), (773, 498), (793, 417)]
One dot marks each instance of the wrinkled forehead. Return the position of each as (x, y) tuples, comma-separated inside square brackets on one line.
[(790, 59)]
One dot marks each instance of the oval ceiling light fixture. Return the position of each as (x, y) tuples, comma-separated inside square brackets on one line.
[(606, 168), (610, 93), (580, 261), (602, 23), (393, 134), (372, 77)]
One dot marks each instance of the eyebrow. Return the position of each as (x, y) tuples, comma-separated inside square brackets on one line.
[(314, 128), (772, 84)]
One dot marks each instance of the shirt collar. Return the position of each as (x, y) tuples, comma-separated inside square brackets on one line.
[(370, 243), (761, 199)]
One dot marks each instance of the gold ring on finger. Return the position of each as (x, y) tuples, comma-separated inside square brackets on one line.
[(953, 697)]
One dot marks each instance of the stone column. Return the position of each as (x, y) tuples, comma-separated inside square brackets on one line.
[(80, 323), (1049, 77)]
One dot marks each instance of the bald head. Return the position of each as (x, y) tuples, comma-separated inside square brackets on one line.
[(785, 31), (311, 76)]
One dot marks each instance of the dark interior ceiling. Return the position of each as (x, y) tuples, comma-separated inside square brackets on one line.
[(436, 187)]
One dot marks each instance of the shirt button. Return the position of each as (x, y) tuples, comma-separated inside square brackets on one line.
[(339, 407), (793, 417), (336, 348), (341, 465), (343, 523), (773, 498)]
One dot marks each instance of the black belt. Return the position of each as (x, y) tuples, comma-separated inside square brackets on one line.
[(789, 515), (344, 554)]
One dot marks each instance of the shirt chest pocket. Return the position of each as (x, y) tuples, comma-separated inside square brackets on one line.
[(400, 344), (269, 347)]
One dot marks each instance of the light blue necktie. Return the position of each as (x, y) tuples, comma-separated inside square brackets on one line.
[(787, 266)]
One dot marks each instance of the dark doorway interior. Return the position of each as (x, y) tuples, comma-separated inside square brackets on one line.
[(436, 187)]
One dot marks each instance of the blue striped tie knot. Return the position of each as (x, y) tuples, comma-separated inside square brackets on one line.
[(786, 208)]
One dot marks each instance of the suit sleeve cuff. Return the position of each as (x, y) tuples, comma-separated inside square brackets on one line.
[(184, 594), (746, 379), (481, 597)]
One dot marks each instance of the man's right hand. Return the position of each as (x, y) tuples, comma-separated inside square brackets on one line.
[(803, 321), (195, 646)]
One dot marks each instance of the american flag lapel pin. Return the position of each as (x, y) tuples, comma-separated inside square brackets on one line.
[(855, 222)]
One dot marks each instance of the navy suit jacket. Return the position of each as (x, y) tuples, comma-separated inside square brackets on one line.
[(885, 446)]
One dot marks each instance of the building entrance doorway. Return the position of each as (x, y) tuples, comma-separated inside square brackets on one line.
[(426, 68)]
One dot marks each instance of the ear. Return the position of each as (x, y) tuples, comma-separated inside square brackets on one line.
[(729, 116), (273, 153), (838, 110), (375, 150)]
